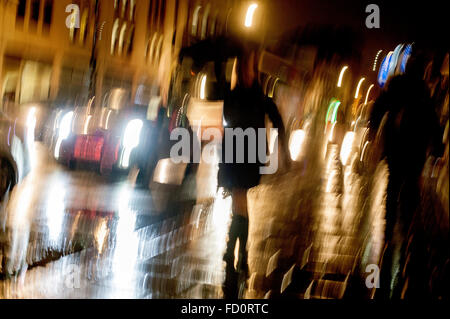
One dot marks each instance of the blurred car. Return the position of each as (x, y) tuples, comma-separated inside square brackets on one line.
[(17, 131), (107, 136)]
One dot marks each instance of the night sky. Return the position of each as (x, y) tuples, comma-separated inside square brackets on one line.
[(400, 20)]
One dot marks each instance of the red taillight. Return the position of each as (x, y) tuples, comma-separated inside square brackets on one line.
[(89, 147)]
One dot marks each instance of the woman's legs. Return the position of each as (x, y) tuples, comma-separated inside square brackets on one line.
[(238, 229)]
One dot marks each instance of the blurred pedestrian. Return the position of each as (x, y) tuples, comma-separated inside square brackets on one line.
[(150, 136), (410, 128), (245, 106)]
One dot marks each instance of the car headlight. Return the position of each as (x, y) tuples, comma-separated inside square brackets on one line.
[(130, 140), (132, 133), (65, 126)]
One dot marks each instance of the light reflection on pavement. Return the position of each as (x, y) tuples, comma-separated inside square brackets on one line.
[(76, 235)]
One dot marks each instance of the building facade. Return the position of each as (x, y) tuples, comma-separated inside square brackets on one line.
[(48, 48)]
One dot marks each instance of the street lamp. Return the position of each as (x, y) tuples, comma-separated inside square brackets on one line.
[(341, 75), (249, 16), (358, 87)]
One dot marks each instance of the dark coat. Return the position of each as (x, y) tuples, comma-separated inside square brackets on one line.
[(412, 126), (245, 108)]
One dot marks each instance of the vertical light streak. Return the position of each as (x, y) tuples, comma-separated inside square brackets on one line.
[(341, 75), (358, 87), (249, 16)]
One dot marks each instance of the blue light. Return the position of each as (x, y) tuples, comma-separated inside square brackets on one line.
[(406, 54), (384, 70), (394, 60)]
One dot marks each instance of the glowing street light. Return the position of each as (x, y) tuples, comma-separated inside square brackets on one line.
[(358, 87), (203, 88), (368, 92), (249, 16), (341, 75)]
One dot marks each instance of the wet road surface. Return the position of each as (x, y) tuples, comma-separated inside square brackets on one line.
[(76, 234)]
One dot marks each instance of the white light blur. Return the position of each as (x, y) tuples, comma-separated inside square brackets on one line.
[(249, 16), (130, 140), (296, 144), (31, 123), (100, 235), (107, 119), (65, 128), (66, 125), (132, 132), (203, 88), (125, 162), (358, 87), (55, 206), (363, 151), (346, 148), (57, 120), (31, 127), (86, 124), (57, 148), (273, 136), (341, 75), (221, 213), (368, 92), (126, 248)]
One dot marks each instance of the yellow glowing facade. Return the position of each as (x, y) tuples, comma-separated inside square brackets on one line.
[(137, 42)]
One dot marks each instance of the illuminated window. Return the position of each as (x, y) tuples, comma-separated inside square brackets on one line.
[(114, 35), (122, 37)]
